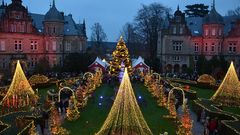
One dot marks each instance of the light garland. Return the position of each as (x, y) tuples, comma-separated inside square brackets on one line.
[(119, 56), (20, 93), (125, 116), (228, 92)]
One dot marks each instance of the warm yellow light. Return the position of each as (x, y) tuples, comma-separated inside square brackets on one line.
[(125, 116)]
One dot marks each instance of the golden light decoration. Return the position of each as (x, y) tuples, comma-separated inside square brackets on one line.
[(228, 92), (20, 92), (125, 116), (119, 56)]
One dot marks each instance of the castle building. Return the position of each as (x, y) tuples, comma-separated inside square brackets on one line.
[(182, 40), (30, 37)]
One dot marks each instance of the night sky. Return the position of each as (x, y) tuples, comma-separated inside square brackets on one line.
[(113, 14)]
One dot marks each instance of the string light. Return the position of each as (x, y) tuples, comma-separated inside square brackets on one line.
[(20, 93), (120, 55), (125, 116), (228, 92)]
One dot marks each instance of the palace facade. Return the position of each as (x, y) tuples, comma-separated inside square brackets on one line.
[(182, 40), (30, 37)]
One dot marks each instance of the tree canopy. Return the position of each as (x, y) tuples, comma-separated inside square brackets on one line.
[(196, 10)]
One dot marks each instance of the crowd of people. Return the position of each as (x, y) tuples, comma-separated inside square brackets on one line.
[(211, 125)]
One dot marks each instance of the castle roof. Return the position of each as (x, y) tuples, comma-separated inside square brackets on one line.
[(213, 17), (53, 15)]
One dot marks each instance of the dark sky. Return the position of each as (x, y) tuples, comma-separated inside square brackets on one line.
[(113, 14)]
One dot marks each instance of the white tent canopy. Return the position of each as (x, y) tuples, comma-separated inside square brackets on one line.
[(138, 61)]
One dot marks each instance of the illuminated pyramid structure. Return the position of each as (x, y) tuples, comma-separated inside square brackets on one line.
[(228, 92), (125, 117), (20, 93)]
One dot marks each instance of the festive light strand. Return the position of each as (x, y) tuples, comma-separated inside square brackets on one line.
[(125, 117)]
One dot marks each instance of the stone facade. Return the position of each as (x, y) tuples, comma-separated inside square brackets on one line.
[(182, 40), (29, 37)]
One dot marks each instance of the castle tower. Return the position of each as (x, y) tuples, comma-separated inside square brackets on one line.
[(54, 22), (213, 27)]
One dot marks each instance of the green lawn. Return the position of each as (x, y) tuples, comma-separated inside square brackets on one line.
[(235, 110), (43, 92), (153, 114), (203, 93), (93, 116)]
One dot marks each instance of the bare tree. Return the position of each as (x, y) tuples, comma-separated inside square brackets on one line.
[(148, 22), (98, 36), (132, 39), (234, 12)]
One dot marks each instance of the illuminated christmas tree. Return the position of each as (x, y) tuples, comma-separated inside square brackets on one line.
[(120, 55), (20, 93), (185, 127), (72, 110), (125, 117), (228, 92)]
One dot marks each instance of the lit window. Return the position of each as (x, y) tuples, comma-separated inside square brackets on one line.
[(47, 45), (206, 32), (2, 46), (213, 32), (54, 46)]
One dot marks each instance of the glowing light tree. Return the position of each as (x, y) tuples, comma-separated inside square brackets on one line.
[(72, 110), (120, 55), (125, 116), (228, 92), (20, 94), (185, 127)]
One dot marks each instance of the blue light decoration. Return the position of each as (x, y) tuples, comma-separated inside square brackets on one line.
[(101, 97), (100, 104), (139, 97)]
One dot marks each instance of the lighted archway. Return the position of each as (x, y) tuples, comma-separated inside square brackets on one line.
[(183, 95), (64, 88), (88, 74), (158, 77)]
